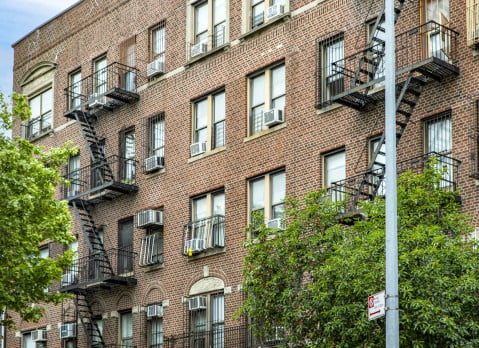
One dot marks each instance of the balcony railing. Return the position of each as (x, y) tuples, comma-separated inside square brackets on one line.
[(116, 83), (344, 190), (204, 234), (151, 249), (116, 175), (111, 266), (37, 127), (430, 49)]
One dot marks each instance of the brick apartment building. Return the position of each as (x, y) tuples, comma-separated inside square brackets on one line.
[(190, 115)]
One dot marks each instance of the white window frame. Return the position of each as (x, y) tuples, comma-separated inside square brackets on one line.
[(339, 172), (75, 100), (41, 122)]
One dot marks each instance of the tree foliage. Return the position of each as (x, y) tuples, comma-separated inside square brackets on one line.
[(29, 216), (313, 278)]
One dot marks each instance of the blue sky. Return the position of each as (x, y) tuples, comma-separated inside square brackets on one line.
[(18, 18)]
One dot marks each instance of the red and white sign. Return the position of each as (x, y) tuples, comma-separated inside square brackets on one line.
[(377, 305)]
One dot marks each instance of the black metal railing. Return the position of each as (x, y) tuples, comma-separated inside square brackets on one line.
[(111, 265), (430, 40), (37, 127), (95, 176), (345, 190), (98, 85), (204, 234)]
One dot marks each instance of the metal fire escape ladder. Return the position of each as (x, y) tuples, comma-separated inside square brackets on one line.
[(85, 314), (374, 52), (100, 166), (410, 91), (90, 233)]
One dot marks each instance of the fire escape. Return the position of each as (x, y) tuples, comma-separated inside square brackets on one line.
[(103, 180), (423, 54)]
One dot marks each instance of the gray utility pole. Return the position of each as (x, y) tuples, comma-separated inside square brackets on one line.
[(392, 293)]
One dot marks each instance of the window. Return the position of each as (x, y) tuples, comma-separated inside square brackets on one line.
[(209, 18), (125, 246), (207, 320), (156, 135), (75, 90), (126, 329), (374, 57), (472, 22), (41, 120), (332, 54), (155, 332), (267, 91), (209, 122), (45, 254), (158, 42), (127, 150), (379, 165), (100, 76), (206, 229), (99, 171), (98, 323), (437, 40), (438, 141), (128, 58), (151, 249), (334, 171), (74, 176), (28, 342), (266, 197), (265, 10)]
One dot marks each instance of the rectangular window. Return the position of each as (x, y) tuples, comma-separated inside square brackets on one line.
[(472, 22), (156, 142), (100, 76), (209, 18), (206, 229), (127, 150), (151, 249), (377, 61), (379, 165), (438, 42), (128, 59), (207, 322), (74, 176), (27, 341), (41, 106), (125, 246), (266, 197), (155, 333), (209, 122), (126, 329), (332, 62), (98, 324), (264, 10), (267, 92), (158, 42), (75, 90)]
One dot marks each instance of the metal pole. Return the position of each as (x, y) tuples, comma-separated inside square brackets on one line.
[(392, 299)]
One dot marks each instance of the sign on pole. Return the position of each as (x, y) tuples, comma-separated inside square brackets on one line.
[(377, 305)]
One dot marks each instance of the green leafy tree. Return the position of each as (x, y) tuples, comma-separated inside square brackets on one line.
[(29, 216), (313, 279)]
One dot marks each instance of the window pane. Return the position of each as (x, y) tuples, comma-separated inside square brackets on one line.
[(158, 141), (99, 324), (201, 18), (27, 341), (257, 194), (126, 326), (44, 253), (335, 167), (158, 41), (258, 90), (47, 101), (201, 114), (278, 83), (440, 136), (200, 208), (156, 327), (219, 204), (35, 104), (278, 187), (219, 107), (219, 12), (278, 211)]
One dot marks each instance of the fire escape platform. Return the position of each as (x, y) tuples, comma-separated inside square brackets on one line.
[(105, 283), (357, 98), (123, 95), (106, 192)]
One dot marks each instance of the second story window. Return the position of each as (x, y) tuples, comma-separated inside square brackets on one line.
[(208, 123), (41, 106), (267, 97), (209, 28), (75, 90), (127, 150)]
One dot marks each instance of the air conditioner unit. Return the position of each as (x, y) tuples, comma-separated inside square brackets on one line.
[(155, 310), (69, 278), (276, 223), (273, 117), (197, 148), (274, 11), (96, 100), (149, 218), (68, 330), (156, 67), (196, 245), (39, 335), (197, 303), (154, 163), (198, 49)]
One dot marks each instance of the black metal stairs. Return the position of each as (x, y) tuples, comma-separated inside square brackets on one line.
[(85, 314)]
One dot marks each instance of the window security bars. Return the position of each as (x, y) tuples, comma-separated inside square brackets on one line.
[(151, 249)]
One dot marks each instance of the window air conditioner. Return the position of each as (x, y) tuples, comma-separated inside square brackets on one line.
[(197, 148), (68, 330), (274, 11), (96, 100), (154, 68), (197, 303), (196, 245), (198, 49), (149, 218), (276, 223), (273, 117), (154, 162), (39, 335), (155, 310)]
